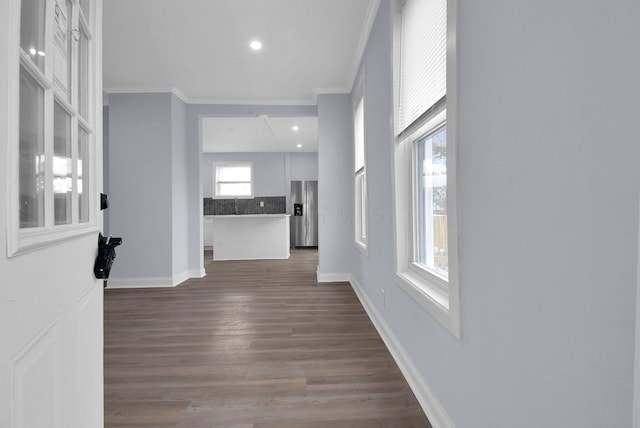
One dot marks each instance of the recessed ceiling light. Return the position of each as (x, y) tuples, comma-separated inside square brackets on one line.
[(256, 45), (299, 145), (295, 127)]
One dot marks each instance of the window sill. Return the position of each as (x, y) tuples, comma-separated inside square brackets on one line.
[(362, 247), (426, 290), (233, 197)]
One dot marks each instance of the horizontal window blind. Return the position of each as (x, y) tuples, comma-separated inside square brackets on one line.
[(423, 59)]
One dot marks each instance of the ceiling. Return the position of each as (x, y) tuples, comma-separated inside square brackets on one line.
[(199, 49), (260, 134)]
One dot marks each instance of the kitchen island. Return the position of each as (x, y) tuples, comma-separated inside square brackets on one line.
[(250, 236)]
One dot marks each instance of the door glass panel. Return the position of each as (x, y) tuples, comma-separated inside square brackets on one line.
[(62, 163), (83, 73), (83, 175), (31, 167), (32, 15), (432, 202), (84, 5), (62, 51)]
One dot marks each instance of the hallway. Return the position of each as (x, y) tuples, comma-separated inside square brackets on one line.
[(253, 344)]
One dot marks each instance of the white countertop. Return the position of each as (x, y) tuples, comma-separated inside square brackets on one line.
[(249, 215)]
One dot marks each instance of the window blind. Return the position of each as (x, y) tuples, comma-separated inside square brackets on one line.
[(423, 58)]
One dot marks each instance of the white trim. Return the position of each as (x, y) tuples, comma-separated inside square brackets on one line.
[(372, 13), (432, 407), (180, 278), (332, 91), (440, 298), (636, 368), (157, 282), (24, 240), (332, 277), (175, 91), (362, 247), (197, 273)]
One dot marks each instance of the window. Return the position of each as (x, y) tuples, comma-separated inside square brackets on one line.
[(425, 156), (52, 156), (360, 179), (233, 180)]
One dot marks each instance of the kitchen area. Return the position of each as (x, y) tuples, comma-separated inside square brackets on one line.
[(259, 180)]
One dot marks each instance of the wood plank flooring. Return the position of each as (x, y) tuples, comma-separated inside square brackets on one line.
[(254, 344)]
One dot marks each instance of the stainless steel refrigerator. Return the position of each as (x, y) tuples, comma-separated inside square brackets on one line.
[(304, 214)]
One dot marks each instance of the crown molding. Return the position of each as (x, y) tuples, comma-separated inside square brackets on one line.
[(178, 93), (372, 13)]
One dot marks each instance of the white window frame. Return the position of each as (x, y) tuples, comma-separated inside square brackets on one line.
[(438, 295), (361, 224), (216, 165), (23, 240)]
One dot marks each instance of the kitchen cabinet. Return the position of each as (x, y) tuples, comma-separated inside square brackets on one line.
[(208, 232), (250, 237)]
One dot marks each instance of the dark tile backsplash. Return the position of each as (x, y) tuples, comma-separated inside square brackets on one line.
[(272, 205)]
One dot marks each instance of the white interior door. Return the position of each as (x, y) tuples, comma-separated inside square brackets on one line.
[(51, 334)]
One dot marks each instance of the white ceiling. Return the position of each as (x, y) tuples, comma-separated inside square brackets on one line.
[(199, 49), (259, 134)]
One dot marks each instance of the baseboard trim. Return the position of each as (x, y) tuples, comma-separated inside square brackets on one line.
[(333, 277), (198, 273), (179, 279), (430, 404), (157, 282)]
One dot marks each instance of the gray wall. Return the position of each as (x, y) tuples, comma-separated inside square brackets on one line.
[(148, 174), (180, 181), (335, 184), (140, 186), (548, 202), (303, 166)]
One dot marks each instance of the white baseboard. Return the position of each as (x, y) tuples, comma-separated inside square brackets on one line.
[(333, 277), (157, 282), (180, 278), (432, 407), (201, 273)]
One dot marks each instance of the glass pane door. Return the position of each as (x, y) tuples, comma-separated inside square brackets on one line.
[(83, 170), (32, 32), (31, 168), (62, 166)]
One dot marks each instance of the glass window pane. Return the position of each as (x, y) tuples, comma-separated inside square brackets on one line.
[(361, 210), (234, 173), (32, 16), (83, 170), (62, 166), (234, 189), (83, 74), (31, 167), (84, 5), (431, 184)]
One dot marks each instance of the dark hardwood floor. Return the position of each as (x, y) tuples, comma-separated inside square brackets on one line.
[(254, 344)]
